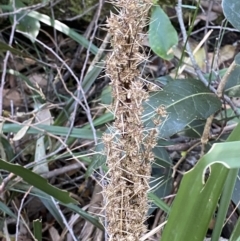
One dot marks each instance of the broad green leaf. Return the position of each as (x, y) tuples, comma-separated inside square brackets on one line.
[(231, 10), (194, 129), (185, 101), (164, 80), (198, 196), (56, 130), (162, 35), (232, 87), (37, 181), (26, 24)]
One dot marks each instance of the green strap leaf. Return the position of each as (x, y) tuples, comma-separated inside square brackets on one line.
[(197, 197), (37, 181), (56, 130)]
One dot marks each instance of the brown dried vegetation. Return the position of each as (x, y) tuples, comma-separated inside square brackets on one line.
[(129, 148)]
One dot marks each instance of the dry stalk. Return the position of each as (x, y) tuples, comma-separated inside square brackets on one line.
[(129, 146)]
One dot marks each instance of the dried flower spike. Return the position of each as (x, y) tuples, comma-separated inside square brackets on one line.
[(129, 150)]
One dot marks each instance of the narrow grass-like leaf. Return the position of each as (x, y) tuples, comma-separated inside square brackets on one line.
[(58, 26), (51, 207), (101, 120), (85, 215), (224, 204), (56, 130), (227, 194), (88, 81), (5, 209), (7, 148), (37, 181), (158, 202), (22, 77), (106, 96), (5, 47), (64, 29), (37, 229), (23, 187), (235, 236), (98, 160)]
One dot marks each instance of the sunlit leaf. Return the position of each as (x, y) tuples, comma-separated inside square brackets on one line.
[(25, 24), (162, 35), (42, 116), (198, 195)]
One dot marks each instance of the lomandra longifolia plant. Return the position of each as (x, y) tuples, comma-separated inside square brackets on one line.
[(129, 146)]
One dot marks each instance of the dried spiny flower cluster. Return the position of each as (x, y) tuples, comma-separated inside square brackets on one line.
[(129, 148)]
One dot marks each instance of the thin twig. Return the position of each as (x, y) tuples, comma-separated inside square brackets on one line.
[(218, 92), (205, 32), (194, 63), (100, 52), (5, 61), (19, 211), (101, 2), (82, 14), (64, 219), (80, 89), (175, 167)]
